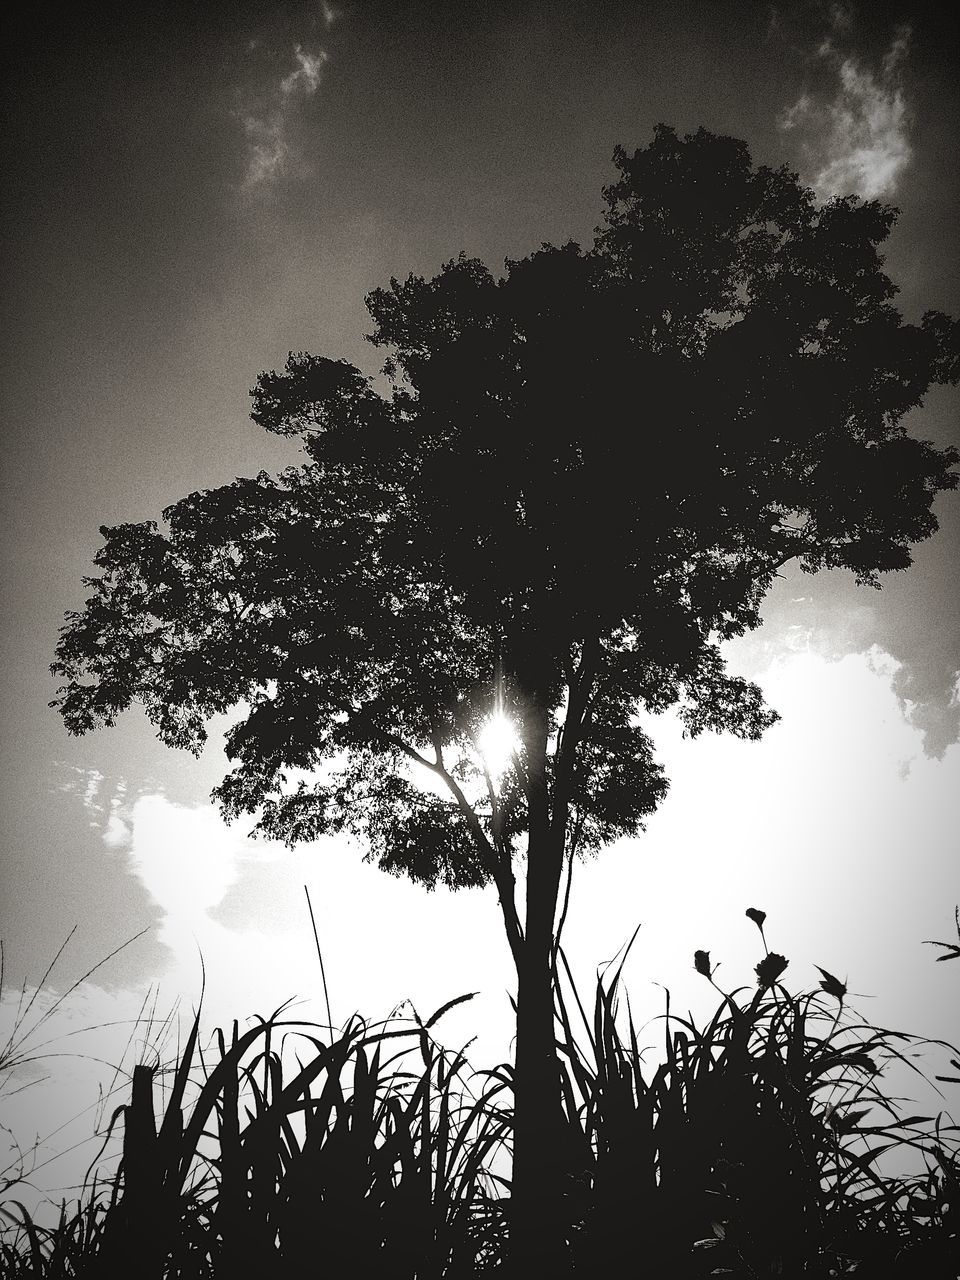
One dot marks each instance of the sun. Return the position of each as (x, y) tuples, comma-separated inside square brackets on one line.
[(497, 742)]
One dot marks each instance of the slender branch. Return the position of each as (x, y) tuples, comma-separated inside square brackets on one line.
[(571, 732), (574, 842), (568, 672), (496, 823), (496, 859), (777, 563), (498, 866), (437, 742)]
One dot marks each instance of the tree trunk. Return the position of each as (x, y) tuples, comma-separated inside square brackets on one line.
[(538, 1238), (536, 1232)]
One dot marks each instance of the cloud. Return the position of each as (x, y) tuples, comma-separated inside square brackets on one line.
[(94, 778), (105, 816), (929, 697), (186, 859), (857, 140), (116, 834), (267, 148), (82, 783), (266, 123), (834, 618), (305, 77), (241, 905)]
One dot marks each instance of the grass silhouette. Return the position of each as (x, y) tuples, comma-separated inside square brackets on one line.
[(283, 1141), (760, 1143)]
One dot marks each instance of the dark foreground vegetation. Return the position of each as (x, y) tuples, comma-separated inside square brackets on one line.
[(767, 1142)]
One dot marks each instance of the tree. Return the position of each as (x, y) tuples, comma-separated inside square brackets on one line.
[(583, 478)]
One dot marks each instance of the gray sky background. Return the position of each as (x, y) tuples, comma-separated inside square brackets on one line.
[(192, 191)]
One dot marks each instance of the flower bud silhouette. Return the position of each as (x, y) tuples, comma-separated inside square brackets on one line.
[(831, 984), (770, 968), (701, 962)]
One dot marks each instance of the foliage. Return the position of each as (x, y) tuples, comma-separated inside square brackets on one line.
[(765, 1142), (583, 478)]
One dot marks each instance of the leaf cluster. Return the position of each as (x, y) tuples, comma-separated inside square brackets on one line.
[(584, 478)]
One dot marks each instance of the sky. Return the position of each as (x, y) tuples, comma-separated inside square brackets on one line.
[(193, 191)]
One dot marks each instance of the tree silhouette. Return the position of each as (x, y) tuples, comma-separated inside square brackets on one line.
[(583, 478)]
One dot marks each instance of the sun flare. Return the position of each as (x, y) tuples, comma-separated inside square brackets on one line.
[(497, 741)]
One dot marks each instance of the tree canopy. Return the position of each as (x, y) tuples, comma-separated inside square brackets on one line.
[(582, 478)]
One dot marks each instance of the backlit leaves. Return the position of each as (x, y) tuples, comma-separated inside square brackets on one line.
[(606, 451)]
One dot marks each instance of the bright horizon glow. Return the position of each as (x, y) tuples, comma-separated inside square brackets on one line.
[(497, 742), (840, 795)]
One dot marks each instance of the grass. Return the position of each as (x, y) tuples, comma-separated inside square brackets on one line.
[(762, 1144), (29, 1047), (758, 1144), (284, 1143)]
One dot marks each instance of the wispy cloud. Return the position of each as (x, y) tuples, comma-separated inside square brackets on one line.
[(83, 783), (105, 816), (857, 139), (305, 77), (266, 148), (266, 123)]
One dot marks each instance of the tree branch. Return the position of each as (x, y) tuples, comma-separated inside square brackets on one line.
[(498, 865), (571, 853), (572, 731)]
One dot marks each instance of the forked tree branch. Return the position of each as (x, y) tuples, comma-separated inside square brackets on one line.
[(496, 860)]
